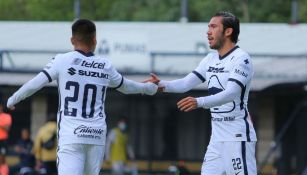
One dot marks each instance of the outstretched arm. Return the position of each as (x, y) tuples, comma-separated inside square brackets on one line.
[(132, 87), (28, 89), (176, 86), (228, 95), (232, 91)]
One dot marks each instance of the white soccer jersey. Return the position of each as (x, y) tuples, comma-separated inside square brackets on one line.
[(230, 121), (82, 83)]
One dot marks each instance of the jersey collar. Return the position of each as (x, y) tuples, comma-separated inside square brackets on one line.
[(229, 52), (89, 54)]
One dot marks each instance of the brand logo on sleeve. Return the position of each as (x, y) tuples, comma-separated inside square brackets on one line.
[(237, 71)]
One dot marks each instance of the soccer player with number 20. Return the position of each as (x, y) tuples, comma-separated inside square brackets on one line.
[(82, 80)]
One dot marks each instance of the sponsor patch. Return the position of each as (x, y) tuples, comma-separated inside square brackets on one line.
[(88, 132), (217, 69), (76, 61), (93, 64), (72, 71), (242, 73)]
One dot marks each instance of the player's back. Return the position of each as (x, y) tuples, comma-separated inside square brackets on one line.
[(82, 81)]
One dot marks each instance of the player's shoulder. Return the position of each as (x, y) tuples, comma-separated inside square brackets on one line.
[(61, 57), (208, 57), (241, 54), (104, 60), (242, 61)]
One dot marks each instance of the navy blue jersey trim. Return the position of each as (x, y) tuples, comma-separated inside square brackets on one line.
[(217, 80), (103, 96), (229, 52), (243, 147), (242, 91), (234, 104), (199, 76), (59, 124), (120, 84), (236, 81), (48, 76), (88, 54), (57, 159), (242, 98), (59, 92), (247, 126)]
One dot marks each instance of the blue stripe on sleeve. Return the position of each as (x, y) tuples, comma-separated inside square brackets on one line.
[(199, 76)]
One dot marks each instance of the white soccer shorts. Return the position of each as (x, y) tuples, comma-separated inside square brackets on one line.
[(80, 159), (230, 158)]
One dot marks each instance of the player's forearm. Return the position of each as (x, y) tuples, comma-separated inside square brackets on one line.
[(28, 89), (132, 87), (226, 96), (181, 85)]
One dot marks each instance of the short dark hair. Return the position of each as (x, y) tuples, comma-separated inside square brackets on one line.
[(230, 21), (84, 30)]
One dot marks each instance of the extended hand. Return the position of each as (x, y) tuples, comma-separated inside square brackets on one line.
[(187, 104), (12, 108), (10, 104), (155, 79), (150, 88)]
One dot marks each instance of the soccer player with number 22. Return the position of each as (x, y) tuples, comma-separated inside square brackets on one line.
[(228, 74)]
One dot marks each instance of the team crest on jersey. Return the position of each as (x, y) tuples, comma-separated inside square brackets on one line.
[(246, 61), (76, 61), (214, 87)]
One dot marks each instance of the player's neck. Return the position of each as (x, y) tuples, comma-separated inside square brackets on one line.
[(84, 48), (226, 48)]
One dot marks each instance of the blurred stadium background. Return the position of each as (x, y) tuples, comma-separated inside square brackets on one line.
[(167, 37)]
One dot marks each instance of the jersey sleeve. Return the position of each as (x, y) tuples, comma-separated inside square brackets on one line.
[(116, 79), (181, 85), (232, 91), (51, 69), (201, 69), (242, 71)]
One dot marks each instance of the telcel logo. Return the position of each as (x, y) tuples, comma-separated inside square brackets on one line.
[(93, 64)]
